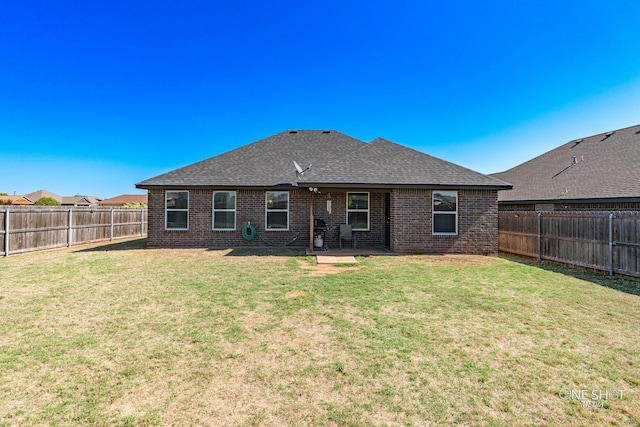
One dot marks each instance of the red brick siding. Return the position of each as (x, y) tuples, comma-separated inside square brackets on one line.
[(250, 207), (411, 223)]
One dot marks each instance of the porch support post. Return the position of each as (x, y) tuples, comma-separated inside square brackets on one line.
[(311, 223)]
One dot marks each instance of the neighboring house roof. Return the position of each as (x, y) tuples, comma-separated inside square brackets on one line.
[(123, 199), (15, 200), (603, 166), (79, 200), (337, 160), (37, 195)]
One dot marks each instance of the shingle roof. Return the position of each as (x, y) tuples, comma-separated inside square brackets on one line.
[(124, 199), (79, 200), (382, 162), (267, 162), (37, 195), (605, 167), (14, 200), (337, 160)]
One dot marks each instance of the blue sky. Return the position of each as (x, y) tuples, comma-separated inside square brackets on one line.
[(96, 96)]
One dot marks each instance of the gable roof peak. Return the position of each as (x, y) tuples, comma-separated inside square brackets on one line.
[(337, 159), (296, 131)]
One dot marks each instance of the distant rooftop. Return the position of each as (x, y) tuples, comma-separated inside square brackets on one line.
[(602, 166), (123, 199)]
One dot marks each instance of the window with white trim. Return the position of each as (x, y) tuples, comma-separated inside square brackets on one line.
[(176, 210), (224, 210), (358, 211), (277, 210), (445, 212)]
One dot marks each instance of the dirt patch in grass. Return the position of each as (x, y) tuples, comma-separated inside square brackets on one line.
[(319, 270)]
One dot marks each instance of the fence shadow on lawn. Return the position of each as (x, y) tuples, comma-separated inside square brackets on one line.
[(628, 286), (128, 245)]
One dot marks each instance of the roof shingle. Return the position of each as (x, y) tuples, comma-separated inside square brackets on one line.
[(336, 159), (605, 167)]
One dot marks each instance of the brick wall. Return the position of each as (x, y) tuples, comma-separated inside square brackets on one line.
[(411, 223), (250, 207)]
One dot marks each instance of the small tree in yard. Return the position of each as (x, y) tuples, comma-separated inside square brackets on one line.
[(137, 205), (47, 201)]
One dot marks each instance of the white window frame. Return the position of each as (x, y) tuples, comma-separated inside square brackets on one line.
[(434, 212), (267, 210), (167, 210), (368, 210), (214, 210)]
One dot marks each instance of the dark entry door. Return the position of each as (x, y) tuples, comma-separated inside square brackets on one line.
[(387, 219)]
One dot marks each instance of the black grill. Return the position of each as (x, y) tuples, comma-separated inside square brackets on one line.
[(319, 225)]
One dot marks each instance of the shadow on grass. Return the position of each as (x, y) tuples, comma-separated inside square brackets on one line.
[(623, 285), (286, 252), (137, 244), (128, 245)]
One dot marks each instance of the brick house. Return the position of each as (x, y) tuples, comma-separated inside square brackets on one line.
[(392, 196), (596, 173), (125, 199)]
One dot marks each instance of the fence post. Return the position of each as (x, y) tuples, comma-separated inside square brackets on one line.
[(111, 229), (69, 231), (6, 232), (611, 245), (141, 222), (539, 236)]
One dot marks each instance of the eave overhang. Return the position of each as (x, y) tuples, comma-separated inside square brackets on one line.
[(342, 186), (570, 201)]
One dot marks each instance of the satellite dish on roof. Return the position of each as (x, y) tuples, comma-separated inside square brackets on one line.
[(299, 169)]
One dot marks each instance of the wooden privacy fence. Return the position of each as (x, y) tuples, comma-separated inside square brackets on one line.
[(29, 228), (605, 241)]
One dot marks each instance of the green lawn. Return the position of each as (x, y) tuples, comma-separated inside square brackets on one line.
[(120, 335)]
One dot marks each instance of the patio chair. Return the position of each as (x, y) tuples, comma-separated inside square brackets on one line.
[(346, 234)]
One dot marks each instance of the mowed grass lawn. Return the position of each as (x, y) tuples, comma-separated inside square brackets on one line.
[(120, 335)]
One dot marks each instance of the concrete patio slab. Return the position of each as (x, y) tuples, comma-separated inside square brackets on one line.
[(329, 259)]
